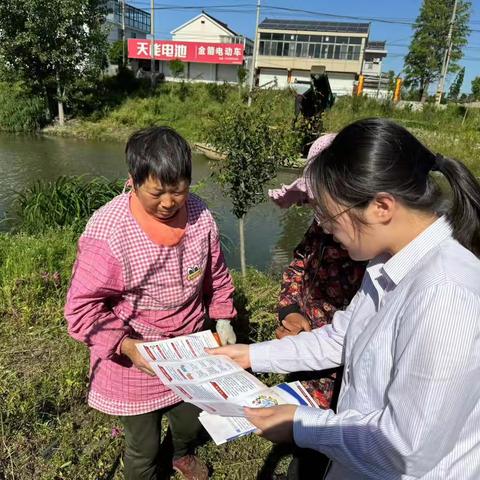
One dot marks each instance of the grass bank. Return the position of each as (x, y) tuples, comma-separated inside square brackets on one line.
[(190, 108), (48, 432), (442, 130)]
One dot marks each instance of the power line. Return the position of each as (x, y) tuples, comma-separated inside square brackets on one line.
[(398, 21)]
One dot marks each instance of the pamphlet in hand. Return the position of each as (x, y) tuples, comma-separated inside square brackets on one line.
[(215, 383)]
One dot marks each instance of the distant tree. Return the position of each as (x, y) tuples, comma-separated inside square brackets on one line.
[(456, 85), (49, 44), (392, 78), (242, 73), (423, 63), (115, 53), (177, 67), (253, 150), (476, 88)]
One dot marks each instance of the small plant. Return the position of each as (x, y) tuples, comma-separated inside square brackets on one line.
[(177, 67), (65, 202), (254, 147), (218, 92), (184, 90)]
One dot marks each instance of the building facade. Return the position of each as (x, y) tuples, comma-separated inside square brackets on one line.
[(376, 81), (288, 49), (137, 21), (208, 48)]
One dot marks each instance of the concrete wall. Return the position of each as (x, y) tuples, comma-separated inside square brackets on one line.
[(269, 74)]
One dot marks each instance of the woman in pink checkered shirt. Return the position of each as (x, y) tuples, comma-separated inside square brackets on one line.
[(149, 266)]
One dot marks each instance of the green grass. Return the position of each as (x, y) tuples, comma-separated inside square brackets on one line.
[(191, 109), (20, 111), (441, 130), (187, 107), (64, 202), (47, 430)]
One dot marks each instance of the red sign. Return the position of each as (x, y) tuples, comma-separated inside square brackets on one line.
[(200, 52)]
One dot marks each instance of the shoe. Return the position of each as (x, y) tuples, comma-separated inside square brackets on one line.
[(191, 468)]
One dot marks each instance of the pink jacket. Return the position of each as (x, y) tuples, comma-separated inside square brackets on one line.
[(123, 284)]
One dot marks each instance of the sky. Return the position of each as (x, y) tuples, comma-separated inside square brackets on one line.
[(240, 16)]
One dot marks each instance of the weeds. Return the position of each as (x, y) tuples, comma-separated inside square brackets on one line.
[(20, 111), (48, 428), (65, 202)]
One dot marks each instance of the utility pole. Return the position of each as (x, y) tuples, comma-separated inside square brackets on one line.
[(254, 56), (152, 44), (124, 60), (446, 58)]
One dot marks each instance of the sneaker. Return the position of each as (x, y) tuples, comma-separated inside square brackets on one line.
[(191, 468)]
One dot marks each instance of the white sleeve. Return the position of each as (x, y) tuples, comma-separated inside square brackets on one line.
[(319, 349), (434, 389)]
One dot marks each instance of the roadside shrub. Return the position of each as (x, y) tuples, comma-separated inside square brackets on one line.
[(19, 110), (65, 202)]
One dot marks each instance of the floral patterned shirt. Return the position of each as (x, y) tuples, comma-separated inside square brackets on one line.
[(321, 279)]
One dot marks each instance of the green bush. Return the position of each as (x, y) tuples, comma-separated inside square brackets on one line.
[(95, 99), (19, 110), (65, 202), (48, 431)]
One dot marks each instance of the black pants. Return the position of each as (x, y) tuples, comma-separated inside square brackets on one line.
[(143, 438), (307, 464)]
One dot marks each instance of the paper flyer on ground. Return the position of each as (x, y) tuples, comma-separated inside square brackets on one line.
[(215, 383)]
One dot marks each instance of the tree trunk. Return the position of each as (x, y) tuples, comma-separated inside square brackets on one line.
[(243, 263), (61, 116), (424, 92)]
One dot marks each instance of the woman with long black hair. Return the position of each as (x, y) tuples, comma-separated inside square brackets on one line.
[(409, 405)]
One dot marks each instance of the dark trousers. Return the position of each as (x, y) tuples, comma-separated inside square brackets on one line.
[(307, 464), (143, 438)]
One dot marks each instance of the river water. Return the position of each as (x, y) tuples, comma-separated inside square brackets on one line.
[(271, 233)]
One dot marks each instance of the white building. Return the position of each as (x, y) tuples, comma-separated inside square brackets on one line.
[(204, 29), (376, 81), (288, 49), (137, 21)]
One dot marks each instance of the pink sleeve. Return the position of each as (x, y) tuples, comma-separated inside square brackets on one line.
[(218, 285), (97, 283)]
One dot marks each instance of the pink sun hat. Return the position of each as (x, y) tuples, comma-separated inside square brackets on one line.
[(298, 192)]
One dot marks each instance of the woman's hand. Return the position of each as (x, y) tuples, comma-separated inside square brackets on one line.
[(238, 353), (130, 350), (273, 423), (293, 324)]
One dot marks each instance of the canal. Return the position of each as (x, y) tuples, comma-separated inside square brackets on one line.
[(271, 233)]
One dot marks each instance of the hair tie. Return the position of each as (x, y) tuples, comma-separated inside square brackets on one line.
[(438, 163)]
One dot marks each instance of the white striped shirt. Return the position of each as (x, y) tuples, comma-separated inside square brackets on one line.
[(409, 405)]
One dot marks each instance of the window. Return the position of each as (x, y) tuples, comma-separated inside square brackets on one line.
[(310, 46), (298, 53), (355, 41)]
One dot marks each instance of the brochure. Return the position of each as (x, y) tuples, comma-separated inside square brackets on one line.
[(215, 383)]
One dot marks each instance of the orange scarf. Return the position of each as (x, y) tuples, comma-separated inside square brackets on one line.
[(163, 232)]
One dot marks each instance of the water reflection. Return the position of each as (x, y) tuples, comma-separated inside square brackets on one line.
[(271, 233)]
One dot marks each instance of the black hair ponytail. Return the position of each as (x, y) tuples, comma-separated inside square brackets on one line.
[(464, 211), (376, 155)]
